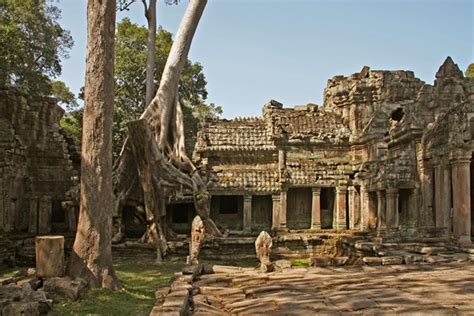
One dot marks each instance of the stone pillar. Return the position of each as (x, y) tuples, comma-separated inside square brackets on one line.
[(283, 206), (442, 196), (33, 220), (427, 216), (381, 216), (276, 212), (316, 209), (354, 207), (49, 256), (392, 208), (460, 168), (341, 208), (372, 222), (2, 210), (364, 207), (44, 215), (247, 213)]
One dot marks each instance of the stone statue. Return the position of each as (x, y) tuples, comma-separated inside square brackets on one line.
[(197, 236), (263, 247)]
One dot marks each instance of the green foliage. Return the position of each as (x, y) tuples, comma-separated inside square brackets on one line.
[(140, 279), (72, 123), (470, 71), (61, 92), (31, 45), (300, 262), (130, 74)]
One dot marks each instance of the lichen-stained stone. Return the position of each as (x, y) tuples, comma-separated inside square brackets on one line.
[(263, 248)]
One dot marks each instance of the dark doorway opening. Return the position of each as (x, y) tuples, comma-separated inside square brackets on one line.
[(133, 221), (298, 212), (227, 211), (58, 217), (180, 217), (327, 207), (262, 212)]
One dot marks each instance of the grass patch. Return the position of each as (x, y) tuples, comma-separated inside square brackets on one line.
[(6, 272), (300, 262), (140, 278)]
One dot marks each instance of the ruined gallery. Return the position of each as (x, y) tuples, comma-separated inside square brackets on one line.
[(386, 153)]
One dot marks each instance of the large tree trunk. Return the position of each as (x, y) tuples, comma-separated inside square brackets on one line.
[(91, 257), (158, 139), (168, 90), (150, 14)]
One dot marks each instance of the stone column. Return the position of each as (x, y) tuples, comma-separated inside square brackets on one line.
[(364, 206), (442, 196), (392, 208), (427, 216), (44, 215), (460, 168), (283, 206), (2, 210), (33, 220), (276, 212), (372, 221), (381, 220), (316, 209), (354, 207), (341, 207), (247, 213)]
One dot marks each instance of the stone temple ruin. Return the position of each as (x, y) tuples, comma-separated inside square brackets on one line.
[(385, 153)]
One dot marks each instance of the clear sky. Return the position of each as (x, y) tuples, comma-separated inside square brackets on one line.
[(256, 50)]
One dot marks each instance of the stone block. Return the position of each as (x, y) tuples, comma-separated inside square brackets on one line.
[(372, 260), (44, 215), (321, 261), (61, 288), (49, 256), (339, 261), (392, 260)]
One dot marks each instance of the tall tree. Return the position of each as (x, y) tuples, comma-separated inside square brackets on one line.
[(91, 257), (150, 15), (130, 40), (155, 150), (32, 44)]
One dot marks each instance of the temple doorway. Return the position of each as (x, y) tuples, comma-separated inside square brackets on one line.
[(180, 217), (227, 211), (298, 214), (327, 207), (262, 212)]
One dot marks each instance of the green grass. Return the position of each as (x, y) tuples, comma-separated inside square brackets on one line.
[(6, 272), (300, 262), (140, 278)]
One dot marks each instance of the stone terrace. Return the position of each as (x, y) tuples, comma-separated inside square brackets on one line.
[(427, 289)]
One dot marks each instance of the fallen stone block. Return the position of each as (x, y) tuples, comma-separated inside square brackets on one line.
[(282, 264), (61, 288), (339, 261), (372, 260), (392, 260), (321, 261)]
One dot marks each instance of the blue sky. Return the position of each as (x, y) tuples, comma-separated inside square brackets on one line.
[(256, 50)]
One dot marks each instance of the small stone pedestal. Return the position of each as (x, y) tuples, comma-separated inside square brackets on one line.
[(49, 256)]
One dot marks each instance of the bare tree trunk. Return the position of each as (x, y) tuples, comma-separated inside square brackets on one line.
[(168, 89), (91, 257), (150, 14)]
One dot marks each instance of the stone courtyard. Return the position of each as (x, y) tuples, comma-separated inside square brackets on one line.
[(411, 289)]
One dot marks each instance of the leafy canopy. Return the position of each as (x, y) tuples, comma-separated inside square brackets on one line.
[(470, 71), (32, 44)]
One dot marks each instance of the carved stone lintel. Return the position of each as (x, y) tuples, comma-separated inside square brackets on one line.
[(263, 248)]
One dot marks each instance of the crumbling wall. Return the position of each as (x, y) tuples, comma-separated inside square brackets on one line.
[(36, 169)]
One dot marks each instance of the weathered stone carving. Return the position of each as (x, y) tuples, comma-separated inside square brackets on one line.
[(263, 248), (197, 236)]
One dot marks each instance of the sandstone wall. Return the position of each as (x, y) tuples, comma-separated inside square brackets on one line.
[(36, 168)]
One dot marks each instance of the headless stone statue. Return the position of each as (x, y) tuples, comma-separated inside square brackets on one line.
[(197, 235), (263, 247)]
